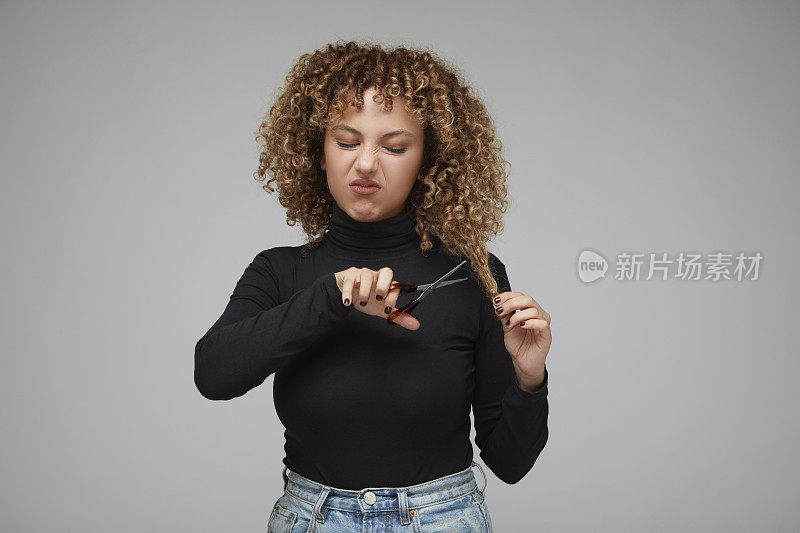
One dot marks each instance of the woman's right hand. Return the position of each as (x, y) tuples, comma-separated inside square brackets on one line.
[(368, 291)]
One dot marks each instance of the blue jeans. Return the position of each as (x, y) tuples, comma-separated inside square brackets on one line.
[(450, 504)]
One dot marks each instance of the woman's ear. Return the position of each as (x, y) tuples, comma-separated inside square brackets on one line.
[(322, 162)]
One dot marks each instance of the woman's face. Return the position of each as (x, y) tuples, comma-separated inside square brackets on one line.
[(384, 147)]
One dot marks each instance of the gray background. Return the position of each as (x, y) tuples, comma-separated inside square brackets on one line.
[(129, 211)]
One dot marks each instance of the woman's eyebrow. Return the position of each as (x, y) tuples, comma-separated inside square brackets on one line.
[(351, 129)]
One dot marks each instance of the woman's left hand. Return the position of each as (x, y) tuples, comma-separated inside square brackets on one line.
[(528, 344)]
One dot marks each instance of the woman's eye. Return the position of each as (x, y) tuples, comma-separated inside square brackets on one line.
[(353, 145)]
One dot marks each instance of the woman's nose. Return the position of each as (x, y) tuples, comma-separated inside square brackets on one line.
[(367, 160)]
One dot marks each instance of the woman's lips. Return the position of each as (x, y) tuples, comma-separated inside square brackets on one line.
[(360, 189)]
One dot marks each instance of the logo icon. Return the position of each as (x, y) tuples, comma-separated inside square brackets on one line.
[(591, 266)]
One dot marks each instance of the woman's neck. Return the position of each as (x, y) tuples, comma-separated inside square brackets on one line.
[(351, 238)]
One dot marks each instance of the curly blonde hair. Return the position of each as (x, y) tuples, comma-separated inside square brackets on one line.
[(462, 194)]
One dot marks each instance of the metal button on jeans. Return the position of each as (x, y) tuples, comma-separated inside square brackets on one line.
[(369, 498)]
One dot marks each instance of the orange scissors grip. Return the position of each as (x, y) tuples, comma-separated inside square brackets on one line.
[(402, 288), (406, 309)]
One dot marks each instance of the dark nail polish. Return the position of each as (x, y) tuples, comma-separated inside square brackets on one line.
[(497, 300), (522, 323), (387, 310), (347, 301), (499, 310), (508, 321), (378, 297), (363, 304)]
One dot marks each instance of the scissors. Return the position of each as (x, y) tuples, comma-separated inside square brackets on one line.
[(404, 288)]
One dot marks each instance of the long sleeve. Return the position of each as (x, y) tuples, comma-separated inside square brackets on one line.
[(510, 423), (256, 334)]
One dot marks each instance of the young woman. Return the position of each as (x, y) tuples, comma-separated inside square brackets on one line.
[(391, 165)]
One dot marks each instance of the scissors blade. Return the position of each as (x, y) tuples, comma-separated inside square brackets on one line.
[(439, 281), (442, 284)]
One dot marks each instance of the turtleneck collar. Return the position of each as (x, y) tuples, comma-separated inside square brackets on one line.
[(350, 238)]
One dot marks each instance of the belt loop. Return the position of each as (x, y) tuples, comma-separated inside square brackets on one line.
[(318, 505), (402, 497), (485, 481), (285, 478)]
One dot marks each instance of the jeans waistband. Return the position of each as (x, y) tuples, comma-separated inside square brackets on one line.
[(381, 498)]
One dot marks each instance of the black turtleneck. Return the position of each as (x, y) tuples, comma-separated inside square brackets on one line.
[(365, 404)]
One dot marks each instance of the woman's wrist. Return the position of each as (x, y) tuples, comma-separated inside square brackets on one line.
[(532, 383)]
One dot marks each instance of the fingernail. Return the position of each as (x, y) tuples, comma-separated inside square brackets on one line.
[(508, 321), (363, 304), (378, 297), (497, 300), (522, 323), (387, 310), (347, 301), (499, 310)]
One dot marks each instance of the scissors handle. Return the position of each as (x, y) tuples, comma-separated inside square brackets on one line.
[(402, 288), (401, 310)]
